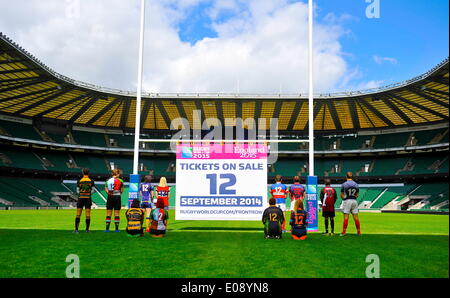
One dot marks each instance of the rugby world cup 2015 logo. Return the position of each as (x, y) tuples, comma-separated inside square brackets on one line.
[(186, 152), (311, 189), (134, 187)]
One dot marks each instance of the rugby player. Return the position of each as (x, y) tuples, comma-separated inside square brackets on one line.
[(147, 199), (163, 191), (273, 220), (299, 221), (279, 192), (349, 195), (159, 217), (114, 189), (296, 192), (328, 198), (85, 186), (135, 219)]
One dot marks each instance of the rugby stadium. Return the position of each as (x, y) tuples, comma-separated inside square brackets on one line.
[(395, 140)]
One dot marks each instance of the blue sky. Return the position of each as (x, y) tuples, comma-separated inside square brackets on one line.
[(230, 46), (409, 38)]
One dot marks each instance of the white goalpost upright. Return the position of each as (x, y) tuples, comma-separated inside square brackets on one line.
[(311, 88), (137, 129)]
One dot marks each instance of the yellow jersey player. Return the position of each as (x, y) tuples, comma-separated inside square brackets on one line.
[(85, 186), (135, 218)]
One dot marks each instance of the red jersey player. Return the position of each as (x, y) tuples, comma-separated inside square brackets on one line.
[(328, 198), (162, 192)]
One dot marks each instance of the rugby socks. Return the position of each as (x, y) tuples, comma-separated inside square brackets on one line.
[(332, 225), (108, 222), (344, 226), (358, 226), (326, 225), (147, 224), (88, 223), (77, 223), (116, 222)]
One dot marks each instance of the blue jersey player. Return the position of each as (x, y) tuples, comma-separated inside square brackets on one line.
[(147, 198), (296, 192), (279, 193)]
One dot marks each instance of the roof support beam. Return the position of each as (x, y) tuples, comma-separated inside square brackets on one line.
[(316, 111), (29, 94), (439, 93), (404, 100), (81, 97), (18, 80), (219, 110), (198, 106), (125, 113), (163, 112), (436, 101), (102, 111), (399, 112), (334, 115), (12, 61), (46, 99), (145, 111), (377, 113), (83, 110), (181, 111), (295, 114), (17, 70), (354, 113), (27, 83), (257, 114), (238, 109)]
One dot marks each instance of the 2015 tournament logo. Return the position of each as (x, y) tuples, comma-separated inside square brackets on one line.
[(186, 152)]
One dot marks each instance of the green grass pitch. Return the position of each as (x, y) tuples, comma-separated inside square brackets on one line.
[(35, 243)]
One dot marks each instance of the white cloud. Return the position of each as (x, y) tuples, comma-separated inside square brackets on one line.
[(263, 46), (381, 60)]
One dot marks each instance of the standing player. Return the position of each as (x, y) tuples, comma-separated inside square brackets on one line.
[(279, 192), (163, 192), (85, 186), (147, 199), (299, 221), (328, 198), (349, 195), (273, 220), (114, 189), (296, 192)]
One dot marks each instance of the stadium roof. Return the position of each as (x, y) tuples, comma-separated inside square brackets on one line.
[(29, 89)]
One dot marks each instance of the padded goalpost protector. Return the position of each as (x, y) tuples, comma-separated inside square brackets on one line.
[(312, 203), (133, 191)]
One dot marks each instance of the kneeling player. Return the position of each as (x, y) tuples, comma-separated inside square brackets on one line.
[(135, 218), (299, 221), (273, 220), (159, 217)]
